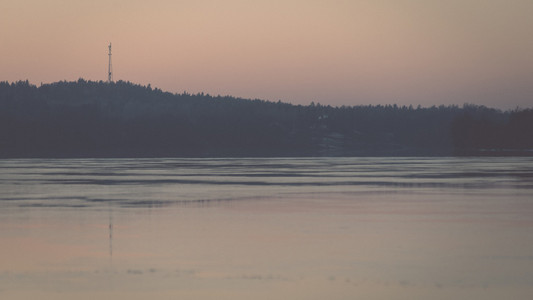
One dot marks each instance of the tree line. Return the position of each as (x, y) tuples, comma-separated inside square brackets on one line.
[(122, 119)]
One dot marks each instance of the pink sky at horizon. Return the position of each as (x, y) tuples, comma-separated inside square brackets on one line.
[(333, 52)]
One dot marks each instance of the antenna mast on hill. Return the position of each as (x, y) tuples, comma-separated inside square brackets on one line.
[(110, 67)]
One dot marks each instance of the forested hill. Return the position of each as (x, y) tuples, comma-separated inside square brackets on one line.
[(99, 119)]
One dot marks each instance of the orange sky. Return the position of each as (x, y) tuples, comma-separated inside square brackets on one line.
[(333, 52)]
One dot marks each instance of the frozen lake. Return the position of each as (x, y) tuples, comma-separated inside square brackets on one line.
[(319, 228)]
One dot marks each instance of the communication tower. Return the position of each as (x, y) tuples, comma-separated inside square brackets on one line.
[(110, 67)]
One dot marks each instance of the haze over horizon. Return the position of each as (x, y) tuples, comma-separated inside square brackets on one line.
[(333, 52)]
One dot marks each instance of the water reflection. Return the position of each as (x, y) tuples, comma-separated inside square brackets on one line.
[(110, 234), (319, 228), (160, 182)]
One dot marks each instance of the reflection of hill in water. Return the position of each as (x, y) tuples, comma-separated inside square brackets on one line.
[(97, 119)]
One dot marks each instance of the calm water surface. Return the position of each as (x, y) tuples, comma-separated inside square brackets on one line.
[(332, 228)]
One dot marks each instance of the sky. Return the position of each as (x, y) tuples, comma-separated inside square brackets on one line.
[(336, 52)]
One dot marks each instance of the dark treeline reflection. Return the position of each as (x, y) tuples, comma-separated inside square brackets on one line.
[(99, 119)]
